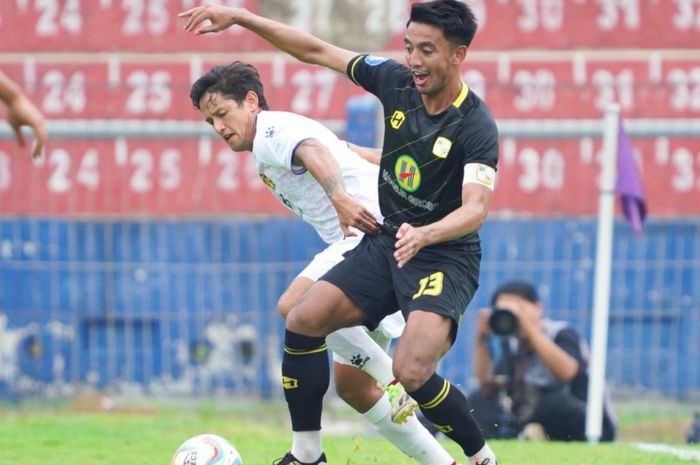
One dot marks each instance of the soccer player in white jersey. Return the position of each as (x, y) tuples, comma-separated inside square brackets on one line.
[(318, 177)]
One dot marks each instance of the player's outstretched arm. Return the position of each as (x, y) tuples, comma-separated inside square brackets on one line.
[(299, 44), (22, 112), (316, 158), (372, 155)]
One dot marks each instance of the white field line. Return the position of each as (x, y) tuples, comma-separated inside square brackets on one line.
[(683, 454)]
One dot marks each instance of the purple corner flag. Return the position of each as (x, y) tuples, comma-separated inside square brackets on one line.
[(629, 183)]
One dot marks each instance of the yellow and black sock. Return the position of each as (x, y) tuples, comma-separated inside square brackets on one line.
[(446, 407), (305, 379)]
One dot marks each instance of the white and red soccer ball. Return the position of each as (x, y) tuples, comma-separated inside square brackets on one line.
[(206, 449)]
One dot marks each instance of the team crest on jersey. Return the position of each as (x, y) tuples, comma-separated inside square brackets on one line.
[(268, 182), (407, 173), (441, 147), (397, 119)]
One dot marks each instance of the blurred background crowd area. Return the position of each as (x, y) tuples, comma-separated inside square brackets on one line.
[(140, 255)]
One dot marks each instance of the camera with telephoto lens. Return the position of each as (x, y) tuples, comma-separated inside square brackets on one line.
[(503, 322)]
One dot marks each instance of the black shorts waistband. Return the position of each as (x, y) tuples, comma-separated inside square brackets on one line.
[(389, 228)]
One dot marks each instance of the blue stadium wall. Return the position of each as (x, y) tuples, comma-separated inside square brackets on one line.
[(189, 306)]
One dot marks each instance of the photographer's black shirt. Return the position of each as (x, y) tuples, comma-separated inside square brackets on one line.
[(422, 167)]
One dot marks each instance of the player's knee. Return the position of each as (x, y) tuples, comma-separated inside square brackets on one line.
[(412, 375), (285, 304), (301, 319)]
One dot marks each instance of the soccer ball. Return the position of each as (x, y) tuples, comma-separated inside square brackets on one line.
[(206, 449)]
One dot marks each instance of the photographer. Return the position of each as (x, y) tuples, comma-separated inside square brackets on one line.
[(532, 371)]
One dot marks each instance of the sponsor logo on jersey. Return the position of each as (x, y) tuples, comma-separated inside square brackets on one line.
[(269, 132), (268, 182), (407, 173), (397, 119), (441, 147), (485, 175), (374, 60)]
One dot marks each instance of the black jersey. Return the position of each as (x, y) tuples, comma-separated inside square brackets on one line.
[(423, 157)]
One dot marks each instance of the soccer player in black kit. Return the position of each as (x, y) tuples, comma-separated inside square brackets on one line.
[(436, 179)]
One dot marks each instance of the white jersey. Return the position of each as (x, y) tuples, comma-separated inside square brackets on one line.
[(277, 135)]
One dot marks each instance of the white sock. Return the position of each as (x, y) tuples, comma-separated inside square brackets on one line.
[(483, 454), (306, 445), (355, 343), (411, 437)]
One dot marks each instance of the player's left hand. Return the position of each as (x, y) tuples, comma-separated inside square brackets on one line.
[(410, 240), (220, 17)]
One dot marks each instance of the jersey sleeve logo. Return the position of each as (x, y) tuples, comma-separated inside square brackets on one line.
[(268, 182), (485, 175), (442, 147), (373, 60), (407, 173), (480, 174), (397, 119)]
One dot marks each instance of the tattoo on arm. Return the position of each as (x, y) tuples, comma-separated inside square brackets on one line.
[(333, 184)]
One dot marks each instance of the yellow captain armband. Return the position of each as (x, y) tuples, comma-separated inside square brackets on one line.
[(480, 174)]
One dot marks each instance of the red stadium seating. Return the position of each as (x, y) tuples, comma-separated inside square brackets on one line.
[(649, 65), (152, 26)]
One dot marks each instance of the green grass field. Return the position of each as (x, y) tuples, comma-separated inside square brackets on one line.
[(62, 435)]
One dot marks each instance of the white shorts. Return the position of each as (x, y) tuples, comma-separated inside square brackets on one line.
[(389, 328), (328, 258)]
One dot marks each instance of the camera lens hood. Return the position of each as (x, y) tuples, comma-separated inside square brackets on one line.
[(503, 322)]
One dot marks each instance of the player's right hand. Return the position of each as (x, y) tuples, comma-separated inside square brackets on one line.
[(221, 17), (351, 213)]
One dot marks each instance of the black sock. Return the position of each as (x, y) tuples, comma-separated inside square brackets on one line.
[(446, 407), (305, 378)]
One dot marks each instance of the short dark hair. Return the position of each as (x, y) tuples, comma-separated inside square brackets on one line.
[(454, 18), (234, 81), (520, 288)]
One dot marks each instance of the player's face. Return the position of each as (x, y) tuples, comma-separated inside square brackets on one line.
[(234, 122), (433, 60)]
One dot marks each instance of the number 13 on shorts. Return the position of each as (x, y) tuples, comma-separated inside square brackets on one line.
[(430, 285)]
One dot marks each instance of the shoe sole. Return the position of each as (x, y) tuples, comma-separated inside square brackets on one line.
[(400, 417)]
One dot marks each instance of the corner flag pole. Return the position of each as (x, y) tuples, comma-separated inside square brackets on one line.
[(603, 265)]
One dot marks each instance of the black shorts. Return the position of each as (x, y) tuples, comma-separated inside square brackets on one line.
[(441, 278)]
